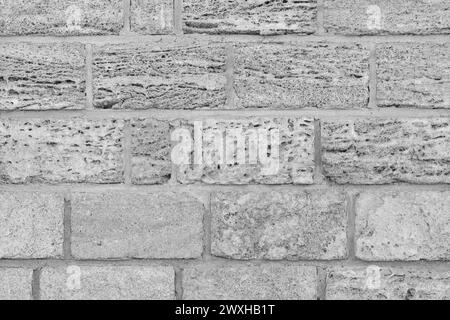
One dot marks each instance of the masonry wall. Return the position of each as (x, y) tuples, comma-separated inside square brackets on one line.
[(92, 205)]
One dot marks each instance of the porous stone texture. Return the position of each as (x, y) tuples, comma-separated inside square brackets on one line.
[(152, 16), (150, 151), (414, 75), (302, 75), (108, 283), (60, 17), (42, 76), (139, 225), (281, 225), (370, 17), (250, 283), (159, 75), (382, 151), (250, 17), (376, 283), (31, 225), (61, 151), (248, 151), (403, 226), (15, 284)]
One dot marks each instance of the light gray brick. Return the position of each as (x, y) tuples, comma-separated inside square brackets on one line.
[(291, 160), (404, 226), (15, 284), (376, 17), (279, 225), (107, 283), (250, 283), (302, 75), (251, 17), (60, 17), (42, 76), (159, 75), (140, 225), (152, 16), (414, 75), (31, 225), (150, 151), (377, 283), (382, 151), (61, 151)]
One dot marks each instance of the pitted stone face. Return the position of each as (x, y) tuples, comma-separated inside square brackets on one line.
[(373, 278), (74, 18), (374, 19)]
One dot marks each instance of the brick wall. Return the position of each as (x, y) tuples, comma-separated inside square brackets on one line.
[(93, 205)]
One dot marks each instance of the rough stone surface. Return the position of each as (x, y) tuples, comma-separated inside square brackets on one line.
[(414, 75), (365, 17), (150, 150), (251, 17), (15, 284), (108, 283), (302, 75), (375, 283), (61, 151), (403, 226), (152, 16), (138, 225), (159, 75), (31, 225), (279, 225), (290, 141), (60, 17), (250, 283), (381, 151), (38, 76)]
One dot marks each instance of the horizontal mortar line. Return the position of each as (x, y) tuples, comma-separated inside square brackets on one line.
[(127, 189), (230, 113), (192, 39), (221, 262)]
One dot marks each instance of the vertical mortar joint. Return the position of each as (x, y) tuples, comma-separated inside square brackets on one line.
[(373, 81), (178, 17), (178, 283), (320, 17), (229, 74), (126, 27), (318, 170), (89, 78), (35, 285), (127, 157), (67, 221)]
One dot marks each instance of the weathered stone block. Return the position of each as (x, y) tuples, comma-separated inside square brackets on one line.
[(375, 283), (403, 226), (138, 225), (246, 151), (108, 283), (152, 16), (381, 151), (302, 75), (279, 225), (42, 76), (60, 17), (31, 225), (150, 150), (364, 17), (15, 284), (252, 17), (61, 151), (414, 75), (159, 75), (250, 283)]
